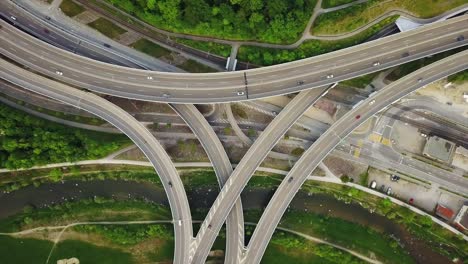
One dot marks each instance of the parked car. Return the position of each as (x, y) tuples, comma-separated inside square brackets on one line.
[(389, 191), (373, 184), (411, 201)]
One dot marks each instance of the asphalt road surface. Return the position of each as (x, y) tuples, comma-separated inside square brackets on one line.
[(252, 159), (233, 86), (332, 137), (223, 168), (58, 33), (133, 129)]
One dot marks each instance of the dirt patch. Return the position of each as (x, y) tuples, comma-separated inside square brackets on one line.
[(134, 106), (407, 138), (326, 105), (187, 150), (132, 154)]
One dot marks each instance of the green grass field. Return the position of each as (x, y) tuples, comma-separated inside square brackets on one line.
[(150, 48), (333, 3), (356, 16), (222, 50), (71, 8), (360, 82), (195, 67), (23, 251), (107, 28)]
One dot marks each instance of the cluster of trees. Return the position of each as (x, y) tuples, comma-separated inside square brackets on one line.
[(26, 141), (268, 56), (276, 21)]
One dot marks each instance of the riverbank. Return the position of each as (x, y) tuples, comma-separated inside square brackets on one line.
[(315, 211)]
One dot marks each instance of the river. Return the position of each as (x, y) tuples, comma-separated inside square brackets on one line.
[(54, 193)]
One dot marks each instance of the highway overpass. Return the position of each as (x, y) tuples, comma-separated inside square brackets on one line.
[(332, 137), (233, 86), (133, 129)]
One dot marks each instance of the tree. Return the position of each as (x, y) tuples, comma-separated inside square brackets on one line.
[(55, 174), (151, 4), (196, 11), (170, 10)]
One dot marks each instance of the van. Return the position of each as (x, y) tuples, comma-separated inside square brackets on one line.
[(373, 184)]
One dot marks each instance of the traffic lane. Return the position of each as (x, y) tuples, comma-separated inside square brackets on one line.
[(250, 162), (160, 97), (86, 46), (49, 35), (380, 45), (310, 159), (431, 34), (223, 168), (184, 94), (120, 119), (273, 73), (142, 78), (95, 82), (353, 66)]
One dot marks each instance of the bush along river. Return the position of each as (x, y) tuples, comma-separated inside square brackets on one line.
[(201, 198)]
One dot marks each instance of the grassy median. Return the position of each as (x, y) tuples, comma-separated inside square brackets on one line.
[(107, 28)]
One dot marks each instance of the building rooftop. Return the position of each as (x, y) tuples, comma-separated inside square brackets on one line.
[(439, 149), (444, 212)]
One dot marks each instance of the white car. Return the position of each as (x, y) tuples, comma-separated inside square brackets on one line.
[(59, 73), (329, 76), (166, 95), (149, 78), (13, 18), (372, 102), (377, 63), (240, 93)]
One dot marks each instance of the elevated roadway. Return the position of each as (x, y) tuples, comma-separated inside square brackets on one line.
[(133, 129), (333, 136), (57, 34), (250, 162), (233, 86), (69, 37), (223, 169)]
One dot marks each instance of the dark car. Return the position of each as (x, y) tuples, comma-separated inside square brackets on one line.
[(290, 179), (406, 54), (358, 116), (47, 17), (170, 184), (460, 38), (107, 45), (394, 177)]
